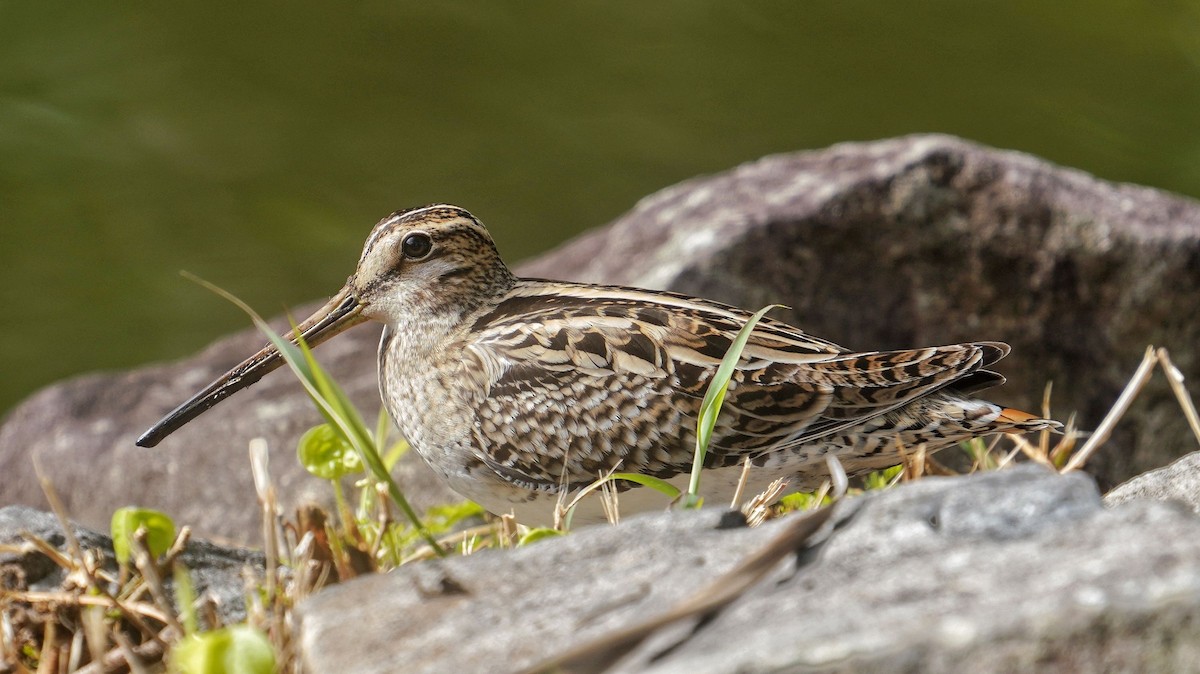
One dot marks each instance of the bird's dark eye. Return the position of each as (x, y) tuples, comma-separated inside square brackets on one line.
[(416, 246)]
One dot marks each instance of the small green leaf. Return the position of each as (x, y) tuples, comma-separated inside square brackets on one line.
[(802, 500), (239, 648), (442, 517), (795, 501), (535, 535), (325, 453), (881, 479), (160, 531)]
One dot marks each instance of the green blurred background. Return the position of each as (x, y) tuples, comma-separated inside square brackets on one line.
[(256, 145)]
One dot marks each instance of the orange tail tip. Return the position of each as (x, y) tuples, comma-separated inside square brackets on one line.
[(1012, 416), (1023, 422)]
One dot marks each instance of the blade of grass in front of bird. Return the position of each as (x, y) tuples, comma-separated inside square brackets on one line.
[(331, 392), (714, 397), (306, 370), (346, 418), (662, 486)]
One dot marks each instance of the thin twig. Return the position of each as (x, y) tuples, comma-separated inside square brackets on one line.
[(454, 540), (1175, 377), (49, 551), (60, 511), (1007, 459), (94, 632), (177, 548), (90, 582), (48, 659), (148, 651), (609, 502), (76, 651), (148, 567), (737, 493), (1104, 430), (259, 468), (127, 651), (1044, 435), (1034, 452)]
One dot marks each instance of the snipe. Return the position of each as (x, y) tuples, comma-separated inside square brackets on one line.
[(514, 390)]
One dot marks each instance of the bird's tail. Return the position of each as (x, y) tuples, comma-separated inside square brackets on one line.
[(1015, 421)]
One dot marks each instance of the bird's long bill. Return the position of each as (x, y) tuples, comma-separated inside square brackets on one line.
[(341, 312)]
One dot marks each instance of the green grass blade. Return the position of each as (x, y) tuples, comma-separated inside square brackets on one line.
[(714, 397), (355, 431), (333, 407), (659, 485)]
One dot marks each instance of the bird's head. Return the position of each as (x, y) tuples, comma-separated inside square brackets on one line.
[(419, 266)]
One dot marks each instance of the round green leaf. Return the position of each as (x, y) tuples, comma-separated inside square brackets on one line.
[(239, 648), (326, 454), (160, 531), (535, 535)]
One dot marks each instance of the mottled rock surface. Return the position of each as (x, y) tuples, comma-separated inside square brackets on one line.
[(1019, 570), (1180, 481), (897, 243)]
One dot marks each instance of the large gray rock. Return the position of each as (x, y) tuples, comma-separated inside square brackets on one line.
[(905, 242), (1010, 571)]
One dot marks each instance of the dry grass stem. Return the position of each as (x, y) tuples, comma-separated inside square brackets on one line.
[(820, 494), (53, 598), (758, 508), (1104, 430), (1044, 435), (8, 638), (741, 485), (60, 511), (506, 531), (1034, 452), (76, 648), (260, 469), (114, 659), (561, 514), (934, 467), (1066, 444), (127, 651), (1009, 457), (49, 551), (148, 567), (455, 540), (914, 463), (178, 546), (982, 460), (1175, 378), (94, 634), (609, 502), (48, 662)]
